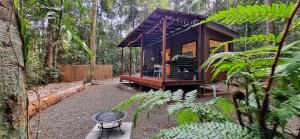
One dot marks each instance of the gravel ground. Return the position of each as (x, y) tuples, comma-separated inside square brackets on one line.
[(71, 118)]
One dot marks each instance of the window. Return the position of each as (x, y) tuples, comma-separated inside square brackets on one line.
[(189, 49), (214, 44)]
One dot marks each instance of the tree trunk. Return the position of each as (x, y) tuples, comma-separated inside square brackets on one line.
[(92, 43), (49, 46), (13, 98), (270, 25)]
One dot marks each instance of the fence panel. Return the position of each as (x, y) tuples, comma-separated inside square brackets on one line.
[(79, 72)]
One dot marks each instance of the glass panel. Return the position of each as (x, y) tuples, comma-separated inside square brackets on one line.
[(189, 49), (214, 44)]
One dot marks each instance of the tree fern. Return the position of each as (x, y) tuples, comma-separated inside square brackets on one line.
[(148, 101), (252, 13), (206, 131)]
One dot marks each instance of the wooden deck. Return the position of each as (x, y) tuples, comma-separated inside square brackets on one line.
[(157, 82)]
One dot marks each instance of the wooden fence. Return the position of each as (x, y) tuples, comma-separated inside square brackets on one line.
[(79, 72)]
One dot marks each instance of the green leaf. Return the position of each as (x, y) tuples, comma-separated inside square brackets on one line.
[(66, 5), (252, 13), (213, 130), (76, 38), (187, 116), (81, 8), (226, 105), (252, 39)]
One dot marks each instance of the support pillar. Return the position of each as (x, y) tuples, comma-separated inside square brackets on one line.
[(130, 60), (164, 45), (122, 61), (199, 52), (141, 56)]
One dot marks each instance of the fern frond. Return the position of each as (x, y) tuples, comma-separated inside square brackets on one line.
[(208, 130), (177, 95), (190, 96), (251, 39), (208, 112), (219, 56), (128, 102), (252, 13), (149, 103), (288, 109), (295, 24), (292, 45)]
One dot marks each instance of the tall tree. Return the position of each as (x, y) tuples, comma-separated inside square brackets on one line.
[(93, 42), (49, 45), (13, 98)]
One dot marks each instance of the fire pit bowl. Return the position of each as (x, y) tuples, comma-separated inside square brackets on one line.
[(109, 116), (109, 120)]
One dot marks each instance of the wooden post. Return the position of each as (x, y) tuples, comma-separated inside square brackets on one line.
[(199, 51), (122, 61), (130, 60), (141, 58), (164, 43)]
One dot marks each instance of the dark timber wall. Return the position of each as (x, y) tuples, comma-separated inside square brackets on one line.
[(216, 36), (176, 43)]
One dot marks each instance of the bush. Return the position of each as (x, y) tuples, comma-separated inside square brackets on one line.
[(52, 75)]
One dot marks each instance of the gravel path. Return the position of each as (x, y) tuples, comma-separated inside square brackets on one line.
[(71, 118)]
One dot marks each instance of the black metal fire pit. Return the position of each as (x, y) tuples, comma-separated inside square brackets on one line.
[(111, 119)]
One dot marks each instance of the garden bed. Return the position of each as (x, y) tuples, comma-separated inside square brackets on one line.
[(42, 97)]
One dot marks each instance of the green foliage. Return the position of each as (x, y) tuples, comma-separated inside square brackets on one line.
[(252, 13), (207, 130), (24, 25), (249, 69), (225, 105), (76, 38), (81, 8), (286, 95), (185, 109), (148, 101), (270, 38), (187, 116), (52, 75), (107, 5)]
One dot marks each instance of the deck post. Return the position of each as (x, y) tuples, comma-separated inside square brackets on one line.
[(141, 58), (122, 61), (164, 43), (199, 50), (130, 59)]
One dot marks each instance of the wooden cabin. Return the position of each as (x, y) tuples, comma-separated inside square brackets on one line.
[(173, 48)]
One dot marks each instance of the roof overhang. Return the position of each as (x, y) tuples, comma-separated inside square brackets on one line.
[(222, 29), (177, 22)]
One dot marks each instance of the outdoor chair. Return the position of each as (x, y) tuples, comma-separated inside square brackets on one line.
[(157, 70)]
